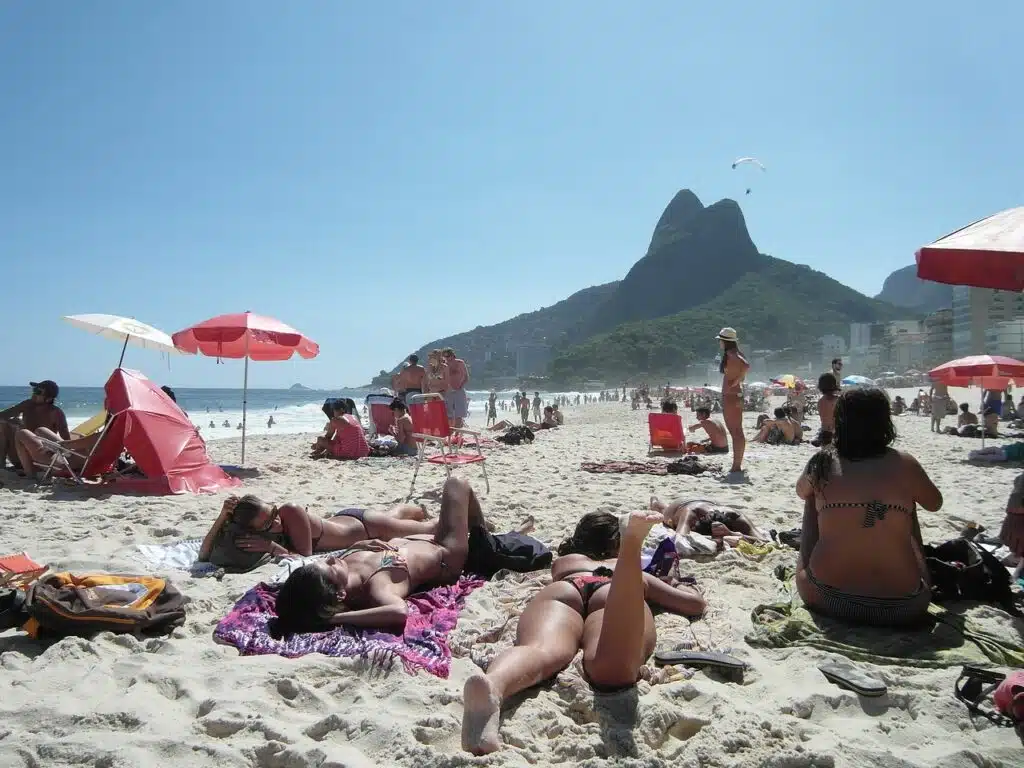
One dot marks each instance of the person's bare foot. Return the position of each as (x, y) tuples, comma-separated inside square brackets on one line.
[(657, 505), (481, 716), (636, 525), (528, 525)]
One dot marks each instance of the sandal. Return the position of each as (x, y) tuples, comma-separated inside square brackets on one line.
[(975, 685), (846, 675), (721, 662)]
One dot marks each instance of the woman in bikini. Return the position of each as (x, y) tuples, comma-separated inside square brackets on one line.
[(599, 600), (366, 586), (860, 552), (733, 368), (290, 529), (707, 518), (437, 378)]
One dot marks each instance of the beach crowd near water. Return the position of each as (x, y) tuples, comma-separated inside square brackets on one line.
[(648, 574)]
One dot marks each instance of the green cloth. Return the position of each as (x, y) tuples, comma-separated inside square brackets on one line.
[(952, 640), (1014, 451)]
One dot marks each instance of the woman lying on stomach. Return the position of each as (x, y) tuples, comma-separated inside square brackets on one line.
[(288, 529), (366, 586), (599, 601), (860, 553)]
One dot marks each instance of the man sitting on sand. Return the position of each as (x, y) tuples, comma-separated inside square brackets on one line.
[(777, 431), (37, 412), (718, 439), (707, 518)]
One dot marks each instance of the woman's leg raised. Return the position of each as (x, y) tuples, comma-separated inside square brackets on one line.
[(618, 638), (547, 638)]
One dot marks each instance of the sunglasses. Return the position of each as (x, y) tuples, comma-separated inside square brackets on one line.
[(38, 391)]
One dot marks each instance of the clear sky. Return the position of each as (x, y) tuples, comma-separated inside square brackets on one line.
[(382, 174)]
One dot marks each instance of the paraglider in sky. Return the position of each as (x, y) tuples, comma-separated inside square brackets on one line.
[(748, 160)]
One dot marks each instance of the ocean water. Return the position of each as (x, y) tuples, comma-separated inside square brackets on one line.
[(294, 411)]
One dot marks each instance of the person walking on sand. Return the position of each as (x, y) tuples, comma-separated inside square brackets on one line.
[(524, 407), (492, 411), (455, 398), (536, 406), (733, 368), (939, 397)]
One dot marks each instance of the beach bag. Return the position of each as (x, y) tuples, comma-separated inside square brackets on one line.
[(490, 553), (961, 570), (64, 604)]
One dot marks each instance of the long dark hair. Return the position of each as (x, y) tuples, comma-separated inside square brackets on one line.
[(596, 536), (305, 602), (863, 430), (727, 346), (247, 508)]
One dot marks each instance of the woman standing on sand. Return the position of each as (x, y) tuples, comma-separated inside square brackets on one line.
[(734, 369), (437, 379)]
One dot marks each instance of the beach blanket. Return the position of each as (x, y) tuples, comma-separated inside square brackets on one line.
[(689, 465), (177, 555), (953, 640), (424, 644)]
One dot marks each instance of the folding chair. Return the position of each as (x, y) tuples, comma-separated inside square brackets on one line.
[(430, 427), (18, 571), (93, 464), (666, 430)]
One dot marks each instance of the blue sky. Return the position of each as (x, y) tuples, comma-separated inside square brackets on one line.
[(382, 174)]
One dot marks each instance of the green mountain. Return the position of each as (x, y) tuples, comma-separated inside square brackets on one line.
[(905, 289), (701, 271)]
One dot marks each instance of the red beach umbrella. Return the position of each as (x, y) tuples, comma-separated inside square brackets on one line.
[(987, 371), (986, 254), (249, 336)]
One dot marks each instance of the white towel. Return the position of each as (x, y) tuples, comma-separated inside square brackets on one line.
[(178, 555)]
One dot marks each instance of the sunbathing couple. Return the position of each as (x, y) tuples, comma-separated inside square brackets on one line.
[(600, 600), (784, 429)]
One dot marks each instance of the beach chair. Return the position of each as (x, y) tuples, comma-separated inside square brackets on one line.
[(666, 430), (431, 428), (382, 418), (94, 464), (89, 426), (19, 570)]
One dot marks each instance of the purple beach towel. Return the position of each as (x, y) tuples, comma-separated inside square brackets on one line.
[(432, 615)]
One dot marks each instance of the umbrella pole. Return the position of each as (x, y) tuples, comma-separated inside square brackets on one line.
[(245, 390), (126, 337)]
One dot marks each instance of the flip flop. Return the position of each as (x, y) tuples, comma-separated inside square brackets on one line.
[(847, 676), (699, 659)]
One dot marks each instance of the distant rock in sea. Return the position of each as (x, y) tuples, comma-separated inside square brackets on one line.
[(300, 387)]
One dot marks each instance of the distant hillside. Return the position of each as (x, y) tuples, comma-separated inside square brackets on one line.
[(701, 271), (776, 305), (559, 326), (905, 289)]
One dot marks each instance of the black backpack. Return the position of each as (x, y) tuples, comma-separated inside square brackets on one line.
[(490, 553), (961, 570)]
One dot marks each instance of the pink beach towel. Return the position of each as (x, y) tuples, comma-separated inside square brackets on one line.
[(424, 645)]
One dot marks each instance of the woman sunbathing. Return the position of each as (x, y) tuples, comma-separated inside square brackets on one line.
[(33, 453), (860, 552), (291, 529), (599, 601), (708, 519), (366, 586)]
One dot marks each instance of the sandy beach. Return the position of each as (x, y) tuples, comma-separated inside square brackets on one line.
[(184, 700)]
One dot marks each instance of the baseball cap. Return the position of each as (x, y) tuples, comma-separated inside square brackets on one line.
[(47, 387)]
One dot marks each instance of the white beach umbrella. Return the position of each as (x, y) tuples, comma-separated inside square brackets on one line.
[(124, 329)]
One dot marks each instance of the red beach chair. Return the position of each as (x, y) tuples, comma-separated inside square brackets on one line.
[(430, 427), (666, 431)]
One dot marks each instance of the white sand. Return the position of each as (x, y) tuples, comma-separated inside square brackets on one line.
[(186, 701)]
